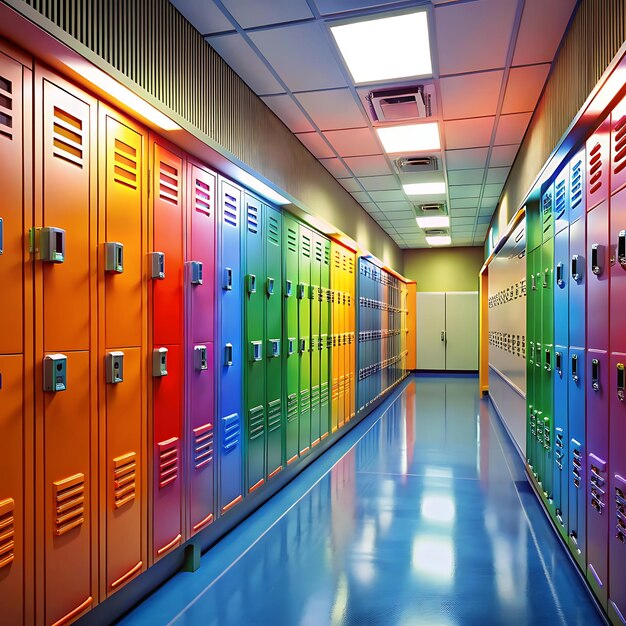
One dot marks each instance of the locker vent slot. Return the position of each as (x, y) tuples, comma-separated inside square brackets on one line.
[(6, 108), (7, 531), (559, 199), (337, 260), (315, 395), (335, 389), (124, 479), (256, 422), (305, 401), (595, 168), (69, 501), (125, 164), (168, 183), (231, 210), (292, 407), (273, 415), (326, 254), (319, 251), (168, 462), (253, 219), (203, 197), (324, 394), (305, 246), (576, 184), (231, 432), (273, 231), (292, 240), (67, 137), (202, 446), (619, 157)]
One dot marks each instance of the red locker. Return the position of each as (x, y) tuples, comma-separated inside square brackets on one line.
[(65, 296), (598, 156), (618, 147), (167, 168)]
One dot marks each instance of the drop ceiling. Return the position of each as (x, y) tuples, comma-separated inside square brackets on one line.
[(490, 60)]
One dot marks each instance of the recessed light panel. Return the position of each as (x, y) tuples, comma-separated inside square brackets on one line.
[(424, 189), (436, 221), (439, 240), (410, 137), (386, 48)]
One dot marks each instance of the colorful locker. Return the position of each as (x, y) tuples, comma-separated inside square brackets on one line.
[(316, 303), (167, 268), (254, 320), (351, 333), (123, 344), (337, 418), (304, 338), (273, 345), (598, 158), (291, 238), (230, 353), (65, 349), (199, 347), (326, 344), (16, 339)]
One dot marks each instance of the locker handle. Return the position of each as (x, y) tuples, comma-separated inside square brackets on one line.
[(256, 351), (114, 257), (270, 286), (548, 362), (597, 255), (228, 354), (621, 247), (559, 275), (557, 363), (533, 283), (288, 288), (301, 290), (228, 278), (575, 368), (620, 381), (157, 265), (195, 272), (291, 343), (576, 268), (251, 278), (443, 335), (595, 374), (546, 283), (1, 236)]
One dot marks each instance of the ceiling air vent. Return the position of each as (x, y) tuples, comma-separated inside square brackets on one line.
[(430, 209), (436, 232), (401, 103), (413, 165)]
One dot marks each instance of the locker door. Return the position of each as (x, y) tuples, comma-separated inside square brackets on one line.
[(577, 282), (618, 143), (274, 348), (337, 360), (531, 331), (167, 321), (66, 420), (351, 333), (326, 343), (561, 200), (304, 347), (598, 156), (123, 318), (291, 237), (254, 299), (200, 349), (230, 354), (431, 316), (539, 362), (316, 279)]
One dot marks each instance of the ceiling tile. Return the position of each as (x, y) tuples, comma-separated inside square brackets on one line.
[(204, 15), (379, 183), (466, 177), (461, 221), (287, 110), (405, 224), (301, 55), (467, 39), (353, 142), (497, 174), (489, 202), (395, 206), (466, 159), (407, 230), (493, 190), (484, 220), (373, 165), (316, 145), (327, 7), (503, 156), (464, 191), (400, 215), (360, 196), (470, 95), (335, 167), (524, 87), (332, 109), (469, 133), (387, 196), (463, 212), (463, 203), (541, 29), (350, 184), (242, 58), (370, 207), (252, 13), (486, 211), (511, 128)]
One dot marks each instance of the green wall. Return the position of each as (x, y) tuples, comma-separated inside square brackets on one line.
[(444, 269)]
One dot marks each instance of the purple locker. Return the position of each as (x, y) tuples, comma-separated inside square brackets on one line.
[(598, 157), (598, 277)]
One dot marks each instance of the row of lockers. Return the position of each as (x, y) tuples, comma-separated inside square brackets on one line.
[(382, 331), (170, 344), (576, 426)]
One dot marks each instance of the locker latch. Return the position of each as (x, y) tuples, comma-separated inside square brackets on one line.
[(301, 290), (270, 286), (228, 278), (1, 236), (546, 282), (114, 367), (621, 247), (256, 350), (576, 268), (533, 283), (311, 292), (291, 345), (559, 275), (157, 265), (595, 374), (548, 361), (251, 283), (323, 342), (288, 288), (228, 354), (55, 372), (159, 362), (597, 256), (558, 364), (114, 257), (575, 368), (273, 348), (195, 272), (302, 346), (51, 244), (620, 381), (200, 361)]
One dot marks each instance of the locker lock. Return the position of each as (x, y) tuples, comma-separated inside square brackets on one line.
[(301, 289), (195, 272), (51, 245), (200, 361), (159, 362), (270, 286), (157, 265), (595, 374), (273, 348), (256, 351), (302, 346), (548, 362), (288, 288), (228, 354), (621, 247), (55, 372), (228, 279), (114, 257), (114, 364), (620, 381), (558, 363), (597, 256), (251, 283), (575, 368), (291, 345), (577, 268), (311, 292), (559, 275)]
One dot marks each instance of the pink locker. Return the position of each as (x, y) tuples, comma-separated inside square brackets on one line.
[(598, 156), (618, 147), (200, 318)]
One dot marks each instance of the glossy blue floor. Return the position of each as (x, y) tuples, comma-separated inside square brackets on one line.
[(420, 515)]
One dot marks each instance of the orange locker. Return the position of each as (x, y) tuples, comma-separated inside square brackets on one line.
[(166, 270), (64, 243), (351, 330), (338, 419), (122, 245)]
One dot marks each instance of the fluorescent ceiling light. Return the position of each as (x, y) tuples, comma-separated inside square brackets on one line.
[(424, 189), (439, 240), (386, 48), (410, 137), (439, 221)]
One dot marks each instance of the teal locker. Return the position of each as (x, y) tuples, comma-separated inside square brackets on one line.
[(254, 299), (304, 338), (326, 342), (316, 304), (273, 343)]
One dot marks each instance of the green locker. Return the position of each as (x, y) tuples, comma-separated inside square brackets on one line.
[(304, 337), (531, 295), (291, 359), (533, 225), (254, 295), (539, 447), (326, 342), (547, 339), (316, 309), (273, 344)]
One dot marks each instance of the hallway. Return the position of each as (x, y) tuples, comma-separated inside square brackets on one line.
[(420, 515)]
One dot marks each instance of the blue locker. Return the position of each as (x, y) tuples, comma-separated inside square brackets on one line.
[(230, 356), (561, 200)]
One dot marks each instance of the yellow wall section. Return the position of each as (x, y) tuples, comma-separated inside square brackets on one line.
[(444, 269)]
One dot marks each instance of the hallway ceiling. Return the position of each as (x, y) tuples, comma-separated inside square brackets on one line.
[(490, 61)]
